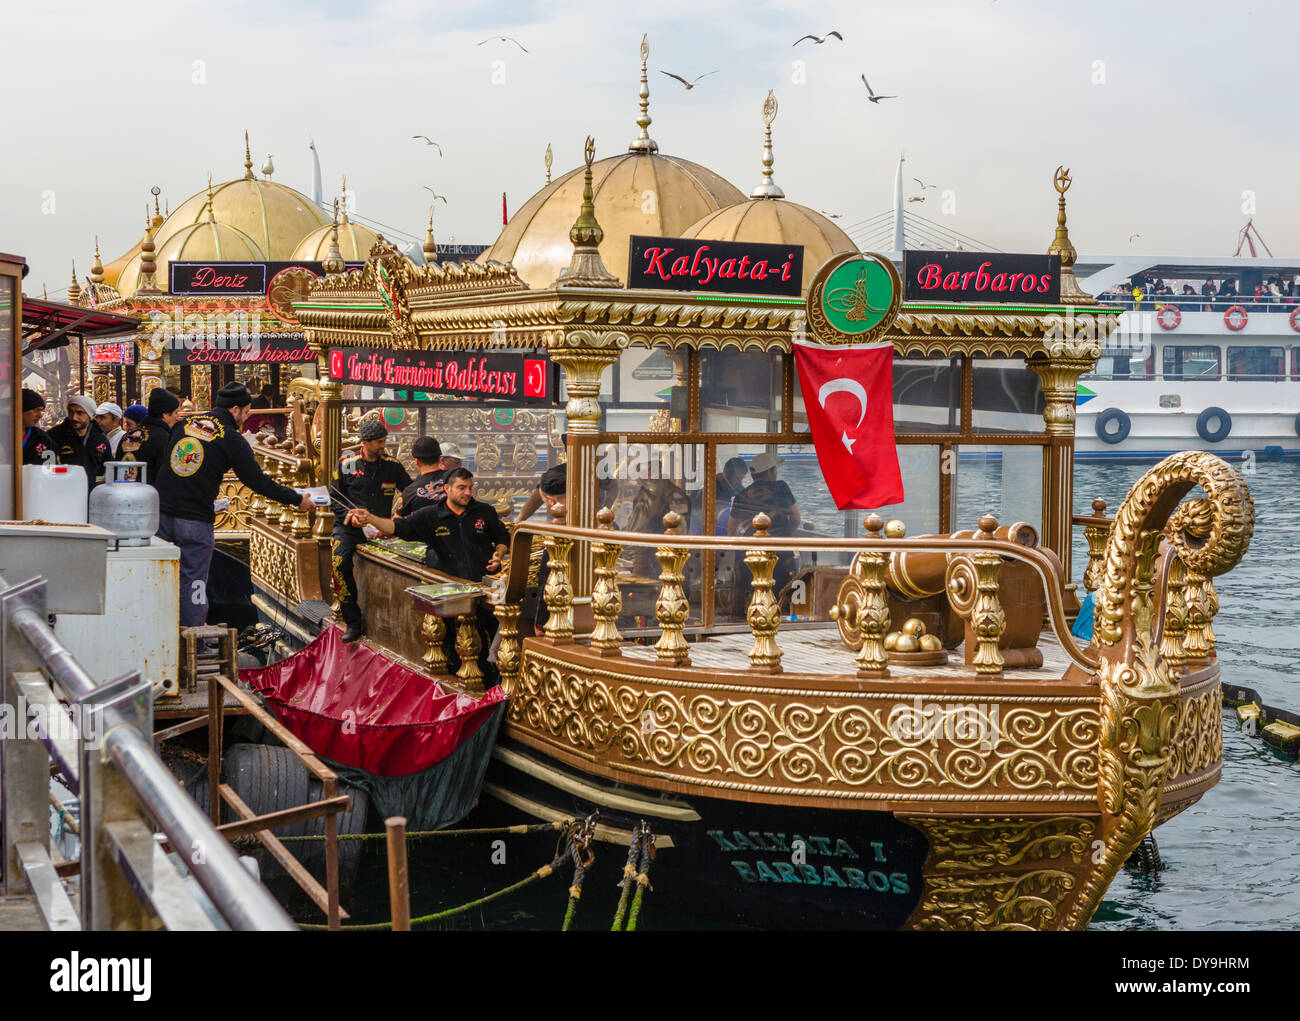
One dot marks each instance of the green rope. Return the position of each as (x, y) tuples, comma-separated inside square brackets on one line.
[(642, 880), (629, 875), (437, 916)]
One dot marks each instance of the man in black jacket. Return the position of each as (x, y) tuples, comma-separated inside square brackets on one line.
[(201, 451), (369, 480), (428, 485), (38, 448), (78, 440), (151, 443)]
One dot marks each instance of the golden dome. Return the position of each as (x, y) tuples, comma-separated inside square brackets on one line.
[(776, 222), (637, 192), (274, 216), (767, 217), (199, 242), (354, 241), (113, 270)]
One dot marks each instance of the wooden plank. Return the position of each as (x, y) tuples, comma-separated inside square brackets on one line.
[(297, 871), (291, 741), (274, 820), (54, 907), (180, 728)]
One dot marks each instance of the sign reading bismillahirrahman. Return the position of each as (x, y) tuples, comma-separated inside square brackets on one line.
[(846, 375)]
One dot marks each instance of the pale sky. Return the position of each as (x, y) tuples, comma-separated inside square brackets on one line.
[(1190, 106)]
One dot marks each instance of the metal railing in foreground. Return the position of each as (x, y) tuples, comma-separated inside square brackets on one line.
[(101, 744)]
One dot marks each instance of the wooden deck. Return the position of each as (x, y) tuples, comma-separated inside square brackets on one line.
[(820, 651)]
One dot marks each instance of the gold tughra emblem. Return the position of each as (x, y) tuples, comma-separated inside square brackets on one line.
[(852, 301)]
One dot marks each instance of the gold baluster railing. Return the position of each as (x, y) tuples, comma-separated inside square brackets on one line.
[(509, 649), (672, 607), (558, 594), (988, 619), (1097, 536), (763, 615), (434, 632), (606, 603), (873, 617), (1172, 649)]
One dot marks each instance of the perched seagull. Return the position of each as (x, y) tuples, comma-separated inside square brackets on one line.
[(430, 141), (818, 39), (922, 183), (435, 195), (268, 168), (690, 84), (505, 39), (871, 96)]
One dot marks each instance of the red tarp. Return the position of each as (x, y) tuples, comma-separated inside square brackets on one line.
[(351, 704)]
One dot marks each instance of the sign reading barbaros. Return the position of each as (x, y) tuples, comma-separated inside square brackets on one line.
[(517, 378), (726, 267), (982, 277)]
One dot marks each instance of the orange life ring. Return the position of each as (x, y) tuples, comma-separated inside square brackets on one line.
[(1295, 319), (1235, 317), (1175, 317)]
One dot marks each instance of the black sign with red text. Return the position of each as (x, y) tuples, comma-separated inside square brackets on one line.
[(728, 267), (233, 277), (243, 349), (489, 376), (982, 277)]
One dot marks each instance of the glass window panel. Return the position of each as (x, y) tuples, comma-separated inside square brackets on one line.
[(1256, 362), (740, 391), (1008, 398), (1182, 361), (927, 395), (636, 392), (1005, 481)]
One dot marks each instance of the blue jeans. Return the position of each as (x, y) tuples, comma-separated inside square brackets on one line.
[(195, 540)]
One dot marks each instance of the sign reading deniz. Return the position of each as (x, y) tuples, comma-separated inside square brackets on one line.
[(982, 277), (728, 267), (518, 378), (233, 277)]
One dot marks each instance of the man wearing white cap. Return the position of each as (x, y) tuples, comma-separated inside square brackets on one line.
[(108, 416), (78, 440), (771, 496), (451, 458)]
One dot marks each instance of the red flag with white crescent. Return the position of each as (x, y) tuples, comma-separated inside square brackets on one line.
[(848, 394)]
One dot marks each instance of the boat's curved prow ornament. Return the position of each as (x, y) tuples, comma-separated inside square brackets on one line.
[(1140, 692)]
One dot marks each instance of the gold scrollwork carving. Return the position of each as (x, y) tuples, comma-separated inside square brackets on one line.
[(1199, 744), (274, 565)]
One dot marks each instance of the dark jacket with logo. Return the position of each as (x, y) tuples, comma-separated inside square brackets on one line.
[(459, 544), (423, 492), (370, 485), (201, 449), (155, 443), (35, 444), (89, 451)]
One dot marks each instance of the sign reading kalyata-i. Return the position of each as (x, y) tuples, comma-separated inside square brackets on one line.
[(727, 267), (982, 277), (492, 376)]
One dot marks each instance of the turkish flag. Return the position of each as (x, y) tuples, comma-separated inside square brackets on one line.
[(534, 377), (848, 394)]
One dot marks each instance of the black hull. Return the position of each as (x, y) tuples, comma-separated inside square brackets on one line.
[(738, 863)]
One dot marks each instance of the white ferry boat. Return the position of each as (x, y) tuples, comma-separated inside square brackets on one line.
[(1207, 357)]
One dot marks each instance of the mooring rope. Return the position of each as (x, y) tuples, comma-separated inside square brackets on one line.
[(642, 878), (629, 876), (579, 848)]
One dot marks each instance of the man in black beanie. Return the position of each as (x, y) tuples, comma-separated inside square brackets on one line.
[(38, 448), (368, 479), (203, 448), (151, 442)]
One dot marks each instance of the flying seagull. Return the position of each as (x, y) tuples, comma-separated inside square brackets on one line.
[(916, 198), (871, 96), (690, 84), (1131, 237), (505, 39), (922, 183), (833, 216), (818, 39), (435, 195), (430, 141)]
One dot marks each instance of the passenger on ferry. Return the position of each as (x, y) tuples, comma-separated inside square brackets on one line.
[(535, 498), (451, 458), (772, 497), (367, 480), (38, 448), (428, 484)]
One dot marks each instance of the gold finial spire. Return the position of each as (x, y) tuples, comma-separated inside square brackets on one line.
[(430, 246), (547, 160), (643, 142), (248, 159), (344, 221), (1071, 292), (148, 267), (74, 289), (585, 268), (96, 267), (212, 216), (157, 215), (333, 261), (767, 188)]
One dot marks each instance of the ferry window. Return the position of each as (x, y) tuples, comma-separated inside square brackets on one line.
[(1005, 481), (637, 392), (1183, 361), (1008, 398), (1256, 362), (927, 395), (740, 391)]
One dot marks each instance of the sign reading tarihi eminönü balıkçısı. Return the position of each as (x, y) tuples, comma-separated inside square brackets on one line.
[(982, 277), (496, 376), (725, 267)]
